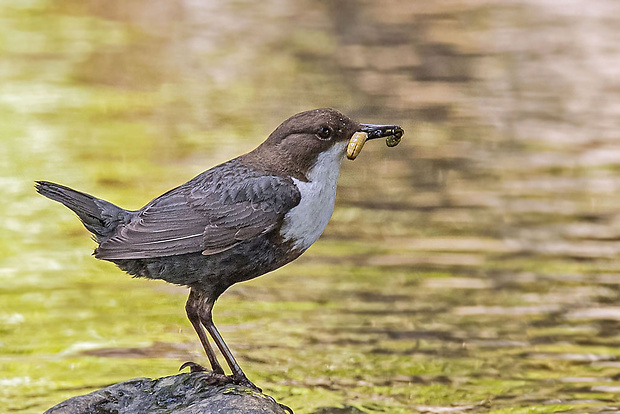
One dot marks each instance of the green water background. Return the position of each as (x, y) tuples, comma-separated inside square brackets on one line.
[(473, 268)]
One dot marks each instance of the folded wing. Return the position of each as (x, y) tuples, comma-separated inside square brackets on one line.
[(211, 213)]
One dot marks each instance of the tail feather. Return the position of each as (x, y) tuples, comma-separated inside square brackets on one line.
[(100, 217)]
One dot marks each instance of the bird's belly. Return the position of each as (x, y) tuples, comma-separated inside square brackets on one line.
[(213, 274)]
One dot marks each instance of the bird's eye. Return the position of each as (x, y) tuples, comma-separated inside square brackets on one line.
[(324, 132)]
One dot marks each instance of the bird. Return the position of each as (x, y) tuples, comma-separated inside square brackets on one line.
[(234, 222)]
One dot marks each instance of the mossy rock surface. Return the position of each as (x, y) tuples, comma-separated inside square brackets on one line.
[(179, 394)]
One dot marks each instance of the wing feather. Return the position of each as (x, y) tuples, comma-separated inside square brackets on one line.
[(211, 213)]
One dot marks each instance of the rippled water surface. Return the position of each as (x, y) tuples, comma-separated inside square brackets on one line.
[(473, 268)]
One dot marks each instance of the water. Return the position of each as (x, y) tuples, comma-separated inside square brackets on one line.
[(472, 268)]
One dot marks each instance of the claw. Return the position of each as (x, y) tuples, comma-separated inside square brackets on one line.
[(193, 367)]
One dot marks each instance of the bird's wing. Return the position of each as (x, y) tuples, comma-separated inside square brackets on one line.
[(211, 213)]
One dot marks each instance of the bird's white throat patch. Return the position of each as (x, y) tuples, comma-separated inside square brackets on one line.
[(306, 221)]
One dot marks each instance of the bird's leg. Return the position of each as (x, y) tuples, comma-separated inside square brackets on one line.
[(207, 321), (192, 307)]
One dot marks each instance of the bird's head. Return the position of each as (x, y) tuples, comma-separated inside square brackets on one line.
[(295, 145)]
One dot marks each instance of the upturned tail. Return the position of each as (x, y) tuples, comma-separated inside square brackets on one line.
[(100, 217)]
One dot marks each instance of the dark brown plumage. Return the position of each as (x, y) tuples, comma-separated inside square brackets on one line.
[(234, 222)]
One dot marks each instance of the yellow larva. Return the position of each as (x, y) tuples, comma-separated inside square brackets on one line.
[(356, 144)]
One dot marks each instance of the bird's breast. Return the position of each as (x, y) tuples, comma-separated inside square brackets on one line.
[(304, 223)]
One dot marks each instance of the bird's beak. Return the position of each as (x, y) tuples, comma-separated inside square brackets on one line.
[(391, 133)]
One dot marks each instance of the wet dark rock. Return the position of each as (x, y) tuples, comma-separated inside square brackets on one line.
[(179, 394)]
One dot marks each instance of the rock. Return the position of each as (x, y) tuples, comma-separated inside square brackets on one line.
[(187, 393)]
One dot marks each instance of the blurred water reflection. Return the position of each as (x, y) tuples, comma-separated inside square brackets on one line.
[(474, 267)]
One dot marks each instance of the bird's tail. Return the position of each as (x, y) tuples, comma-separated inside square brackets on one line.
[(98, 216)]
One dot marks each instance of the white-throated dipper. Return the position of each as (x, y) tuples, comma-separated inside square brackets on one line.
[(234, 222)]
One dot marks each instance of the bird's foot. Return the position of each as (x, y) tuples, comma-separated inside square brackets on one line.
[(212, 378), (217, 378), (243, 380), (194, 367)]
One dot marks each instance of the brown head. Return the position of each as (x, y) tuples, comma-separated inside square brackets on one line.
[(294, 146)]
